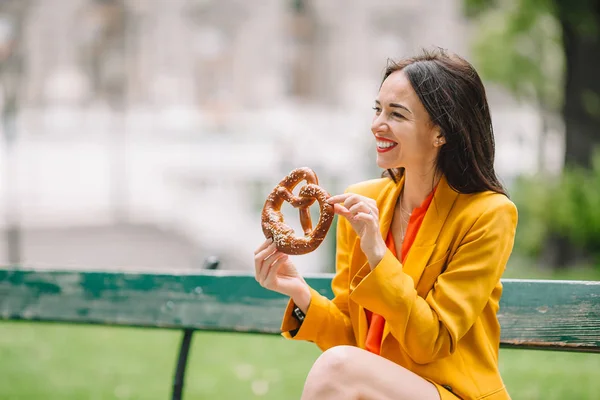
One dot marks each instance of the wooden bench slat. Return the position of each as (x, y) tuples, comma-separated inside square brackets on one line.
[(562, 315), (551, 314), (208, 300)]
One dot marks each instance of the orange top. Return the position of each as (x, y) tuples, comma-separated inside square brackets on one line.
[(376, 321)]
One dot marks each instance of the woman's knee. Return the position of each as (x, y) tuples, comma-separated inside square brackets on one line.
[(338, 358), (332, 372)]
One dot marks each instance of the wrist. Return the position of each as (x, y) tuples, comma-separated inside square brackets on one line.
[(302, 299), (377, 255)]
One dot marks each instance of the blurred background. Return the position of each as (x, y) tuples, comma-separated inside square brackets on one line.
[(146, 134)]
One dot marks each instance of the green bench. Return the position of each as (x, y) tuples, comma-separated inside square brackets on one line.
[(534, 314)]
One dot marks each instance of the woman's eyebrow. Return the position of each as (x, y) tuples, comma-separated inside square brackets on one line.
[(395, 105)]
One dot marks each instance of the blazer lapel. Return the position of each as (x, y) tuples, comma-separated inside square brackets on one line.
[(386, 204), (426, 239)]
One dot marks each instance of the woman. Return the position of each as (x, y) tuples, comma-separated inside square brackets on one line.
[(420, 252)]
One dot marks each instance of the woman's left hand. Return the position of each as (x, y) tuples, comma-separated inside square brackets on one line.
[(363, 215)]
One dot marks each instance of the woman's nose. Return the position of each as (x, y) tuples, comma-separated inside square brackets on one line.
[(378, 124)]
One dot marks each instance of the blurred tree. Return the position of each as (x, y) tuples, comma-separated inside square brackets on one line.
[(549, 51), (12, 20), (520, 47)]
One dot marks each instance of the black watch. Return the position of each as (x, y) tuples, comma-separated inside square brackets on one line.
[(298, 314)]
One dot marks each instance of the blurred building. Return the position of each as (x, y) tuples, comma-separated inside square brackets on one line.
[(179, 116)]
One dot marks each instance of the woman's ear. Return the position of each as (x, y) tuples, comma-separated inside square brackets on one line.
[(439, 139)]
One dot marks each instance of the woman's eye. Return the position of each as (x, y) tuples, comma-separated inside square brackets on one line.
[(397, 115), (377, 109)]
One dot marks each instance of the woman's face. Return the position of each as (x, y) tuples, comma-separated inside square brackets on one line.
[(403, 130)]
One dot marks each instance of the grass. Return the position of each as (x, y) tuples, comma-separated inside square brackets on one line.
[(51, 361), (77, 362), (524, 268)]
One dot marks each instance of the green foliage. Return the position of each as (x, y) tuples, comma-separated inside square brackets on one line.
[(531, 198), (519, 45), (568, 206)]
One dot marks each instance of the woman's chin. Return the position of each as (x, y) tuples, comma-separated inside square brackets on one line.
[(386, 165)]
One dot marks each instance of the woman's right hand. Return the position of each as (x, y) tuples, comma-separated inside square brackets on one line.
[(275, 271)]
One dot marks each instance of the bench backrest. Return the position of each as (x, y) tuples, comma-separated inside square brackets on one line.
[(559, 315)]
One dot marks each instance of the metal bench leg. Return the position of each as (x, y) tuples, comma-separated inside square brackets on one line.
[(179, 378), (211, 263)]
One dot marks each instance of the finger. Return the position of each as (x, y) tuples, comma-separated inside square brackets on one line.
[(365, 217), (271, 275), (267, 262), (352, 200), (360, 207), (338, 198), (260, 258), (266, 266), (341, 210), (263, 246), (264, 254)]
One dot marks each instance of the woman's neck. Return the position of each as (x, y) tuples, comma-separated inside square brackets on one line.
[(417, 186)]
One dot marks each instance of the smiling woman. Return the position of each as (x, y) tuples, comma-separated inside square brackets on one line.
[(449, 103), (420, 251)]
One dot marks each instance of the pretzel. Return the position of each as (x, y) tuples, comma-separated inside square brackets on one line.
[(273, 225)]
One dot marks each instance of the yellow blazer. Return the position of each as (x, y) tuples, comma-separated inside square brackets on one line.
[(440, 305)]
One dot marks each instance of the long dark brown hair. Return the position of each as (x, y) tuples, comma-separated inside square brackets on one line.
[(453, 95)]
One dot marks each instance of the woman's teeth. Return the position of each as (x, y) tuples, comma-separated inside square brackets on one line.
[(385, 145)]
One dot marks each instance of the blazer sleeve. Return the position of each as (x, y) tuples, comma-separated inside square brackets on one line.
[(429, 328), (327, 322)]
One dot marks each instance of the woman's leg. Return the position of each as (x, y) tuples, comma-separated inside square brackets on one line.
[(351, 373)]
